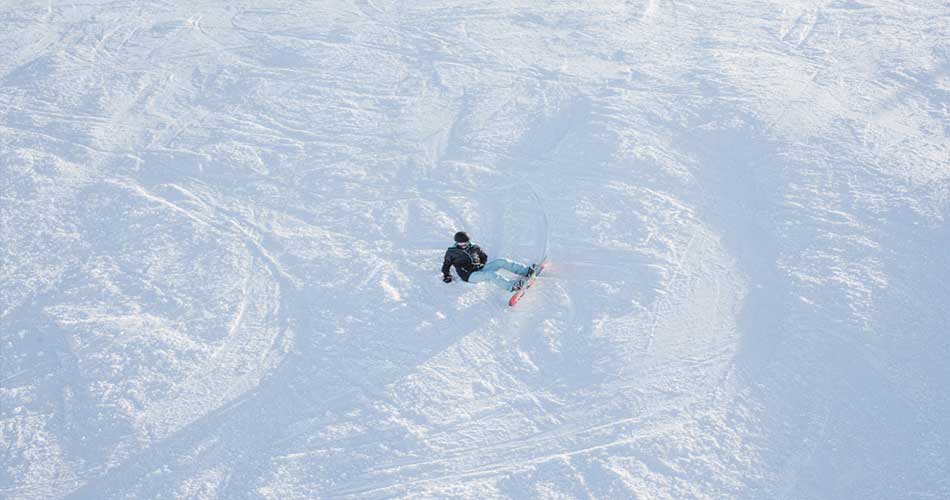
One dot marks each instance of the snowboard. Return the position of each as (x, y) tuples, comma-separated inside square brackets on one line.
[(520, 293)]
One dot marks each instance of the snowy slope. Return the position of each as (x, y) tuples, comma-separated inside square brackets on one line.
[(222, 227)]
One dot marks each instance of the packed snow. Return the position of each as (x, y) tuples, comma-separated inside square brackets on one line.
[(223, 224)]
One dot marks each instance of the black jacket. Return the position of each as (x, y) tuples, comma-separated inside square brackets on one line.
[(465, 260)]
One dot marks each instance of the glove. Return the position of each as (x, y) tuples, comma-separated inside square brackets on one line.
[(447, 278)]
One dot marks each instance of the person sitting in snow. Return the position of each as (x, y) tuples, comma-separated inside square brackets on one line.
[(470, 264)]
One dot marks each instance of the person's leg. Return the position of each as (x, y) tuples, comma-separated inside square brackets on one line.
[(491, 266), (508, 265), (494, 277)]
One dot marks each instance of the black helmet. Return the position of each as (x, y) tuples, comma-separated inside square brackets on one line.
[(461, 237)]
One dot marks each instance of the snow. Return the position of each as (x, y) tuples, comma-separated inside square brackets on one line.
[(223, 223)]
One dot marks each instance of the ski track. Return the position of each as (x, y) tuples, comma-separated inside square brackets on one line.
[(222, 228)]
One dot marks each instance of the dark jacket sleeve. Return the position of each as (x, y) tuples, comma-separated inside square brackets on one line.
[(482, 256), (446, 264)]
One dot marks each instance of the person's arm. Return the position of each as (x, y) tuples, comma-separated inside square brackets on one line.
[(482, 256), (446, 268)]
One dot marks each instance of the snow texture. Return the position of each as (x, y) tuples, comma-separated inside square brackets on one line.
[(223, 222)]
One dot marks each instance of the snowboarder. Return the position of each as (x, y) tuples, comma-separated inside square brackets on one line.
[(470, 264)]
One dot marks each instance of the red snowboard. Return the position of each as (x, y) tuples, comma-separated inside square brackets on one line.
[(520, 293)]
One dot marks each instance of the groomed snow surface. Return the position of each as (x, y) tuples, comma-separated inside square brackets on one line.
[(223, 223)]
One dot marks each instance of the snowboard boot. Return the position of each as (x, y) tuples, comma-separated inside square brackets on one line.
[(518, 285), (531, 270)]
